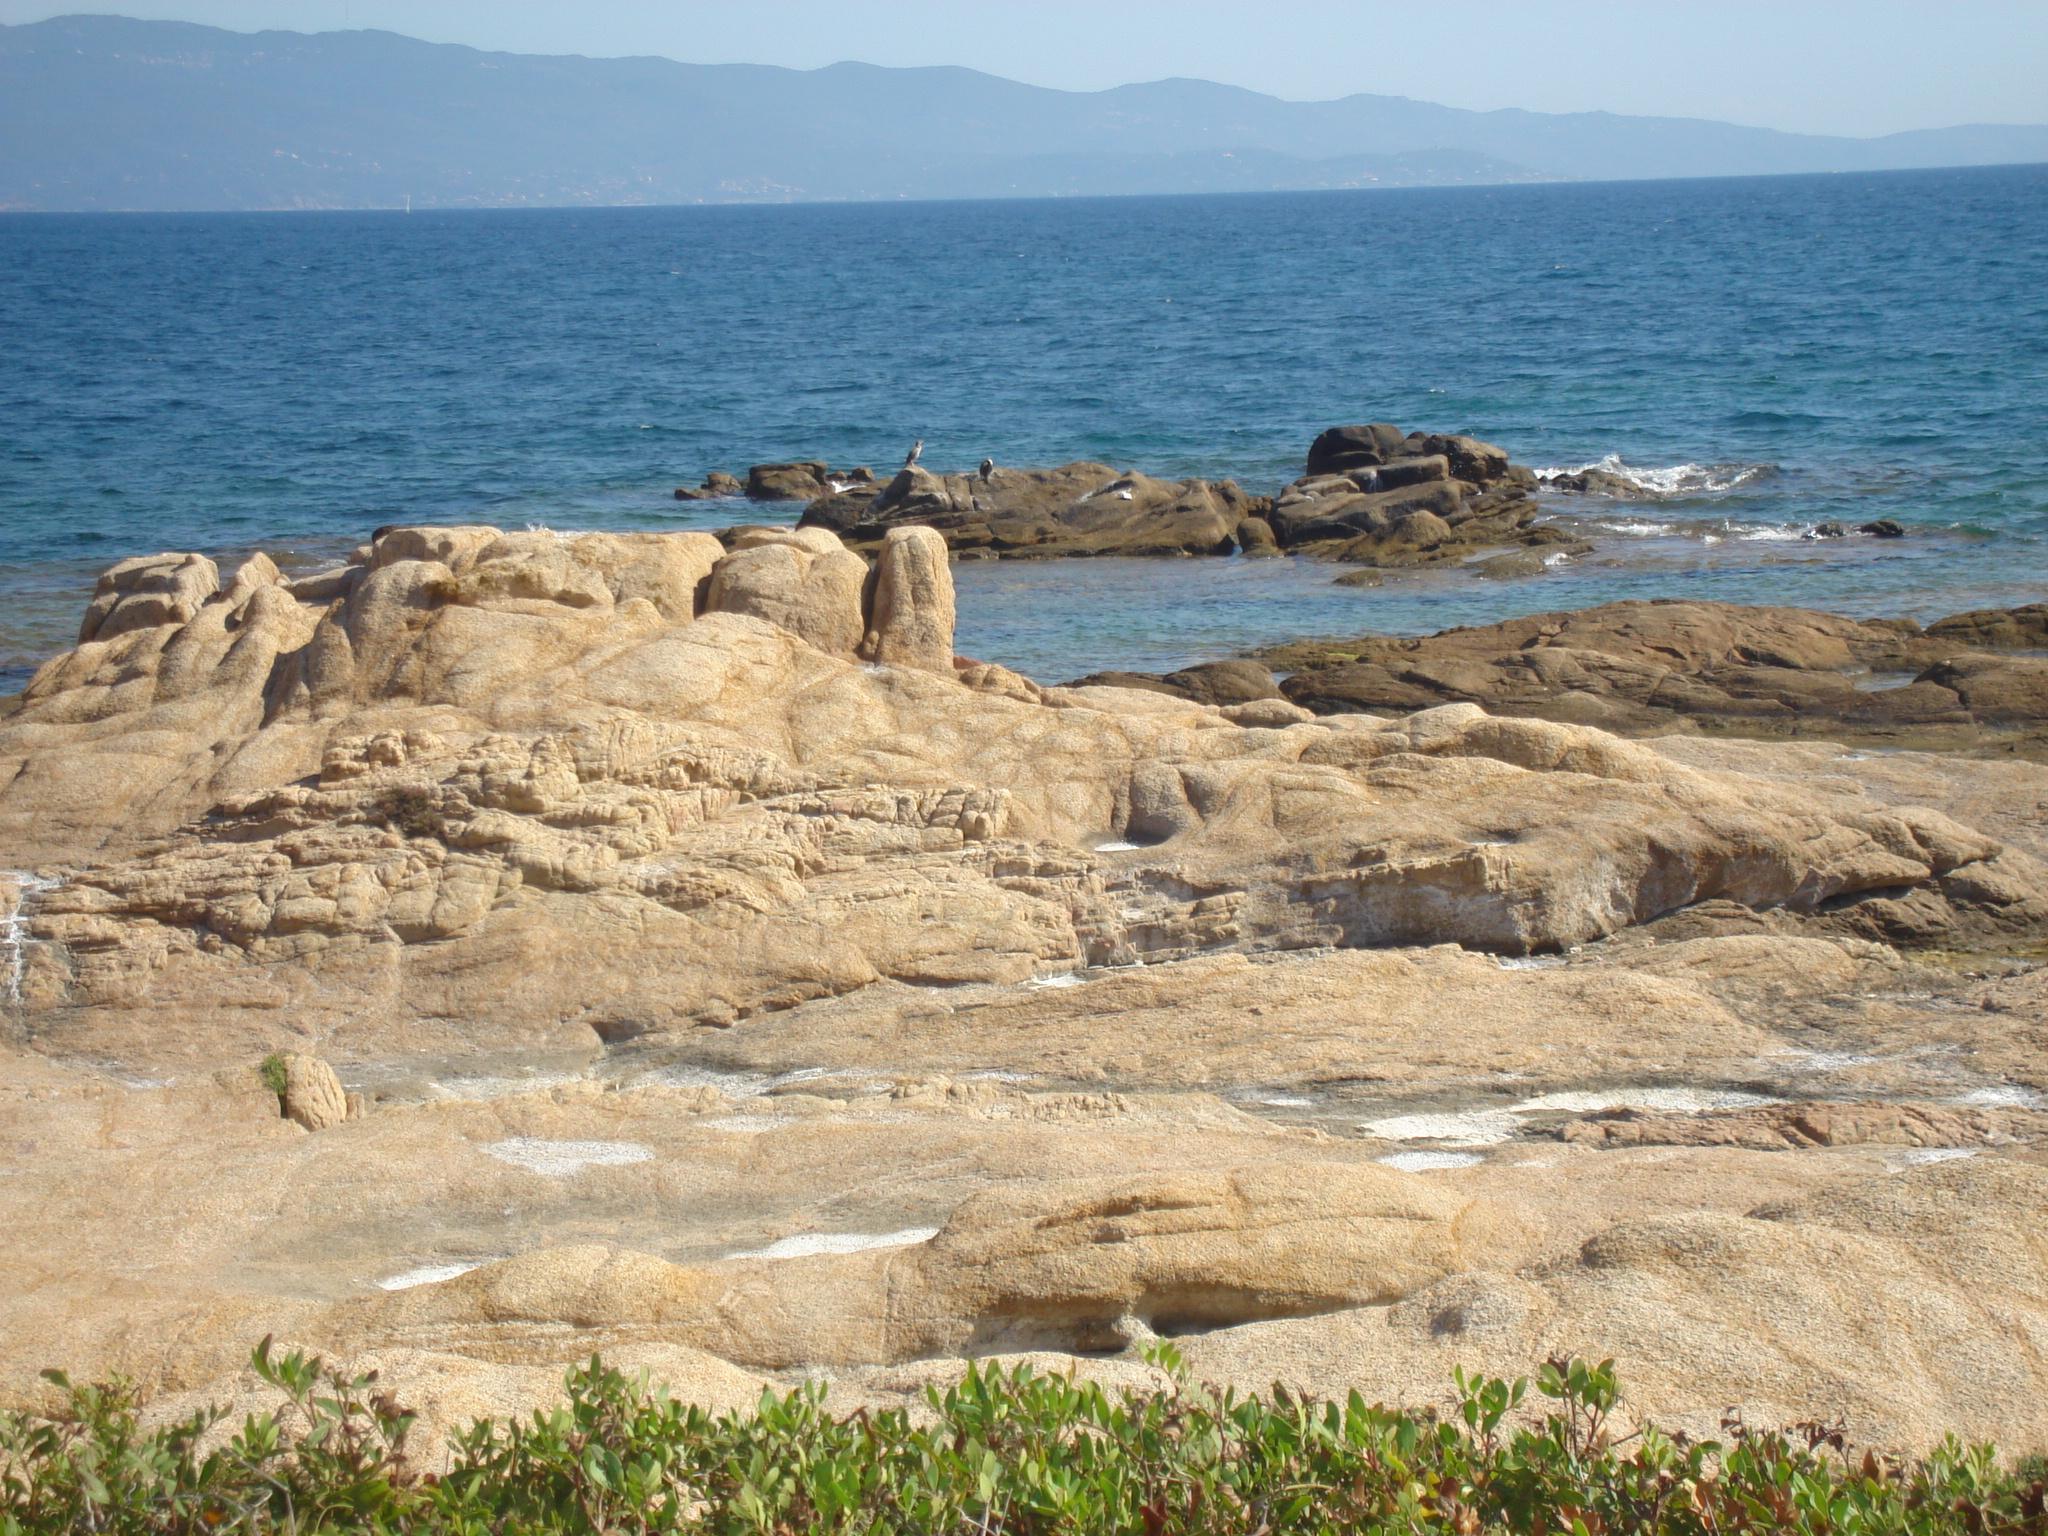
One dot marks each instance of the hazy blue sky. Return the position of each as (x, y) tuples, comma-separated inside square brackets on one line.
[(1828, 66)]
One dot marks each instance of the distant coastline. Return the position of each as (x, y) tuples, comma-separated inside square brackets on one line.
[(218, 121)]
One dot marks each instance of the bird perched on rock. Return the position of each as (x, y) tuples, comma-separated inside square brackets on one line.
[(916, 448), (988, 469)]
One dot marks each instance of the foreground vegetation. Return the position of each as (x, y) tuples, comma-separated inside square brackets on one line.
[(1000, 1454)]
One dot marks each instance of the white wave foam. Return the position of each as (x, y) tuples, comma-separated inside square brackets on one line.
[(1062, 979), (808, 1243), (560, 1159), (1636, 528), (1116, 847), (1665, 480)]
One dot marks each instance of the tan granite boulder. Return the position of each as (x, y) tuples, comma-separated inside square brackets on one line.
[(313, 1096), (911, 611)]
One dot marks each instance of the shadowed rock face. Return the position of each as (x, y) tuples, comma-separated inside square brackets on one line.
[(1372, 496)]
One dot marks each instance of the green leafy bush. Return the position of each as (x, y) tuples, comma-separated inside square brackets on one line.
[(1002, 1453), (276, 1076)]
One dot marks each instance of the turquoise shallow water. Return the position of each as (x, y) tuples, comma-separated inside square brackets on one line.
[(1816, 348)]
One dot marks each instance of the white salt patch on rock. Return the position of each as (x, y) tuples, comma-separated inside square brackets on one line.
[(737, 1085), (806, 1075), (560, 1159), (1527, 962), (14, 927), (1424, 1162), (1831, 1061), (1061, 979), (1473, 1128), (473, 1089), (426, 1274), (2003, 1096), (1490, 1127), (750, 1085), (1688, 1101), (806, 1244), (1916, 1157)]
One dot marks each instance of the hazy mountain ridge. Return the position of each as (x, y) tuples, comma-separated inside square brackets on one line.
[(108, 113)]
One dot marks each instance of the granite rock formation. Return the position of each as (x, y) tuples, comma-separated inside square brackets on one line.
[(727, 976), (1671, 665)]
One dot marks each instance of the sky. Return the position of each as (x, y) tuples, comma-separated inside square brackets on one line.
[(1858, 67)]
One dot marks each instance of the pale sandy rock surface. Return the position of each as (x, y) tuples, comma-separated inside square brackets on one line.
[(729, 978)]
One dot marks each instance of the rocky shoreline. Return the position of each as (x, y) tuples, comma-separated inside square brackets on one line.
[(670, 946), (1974, 682), (1372, 495)]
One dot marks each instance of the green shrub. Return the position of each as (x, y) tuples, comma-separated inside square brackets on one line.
[(1002, 1453), (275, 1074)]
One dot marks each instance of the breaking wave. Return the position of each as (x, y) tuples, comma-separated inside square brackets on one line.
[(1660, 482)]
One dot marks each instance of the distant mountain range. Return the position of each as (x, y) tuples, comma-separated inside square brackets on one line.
[(100, 112)]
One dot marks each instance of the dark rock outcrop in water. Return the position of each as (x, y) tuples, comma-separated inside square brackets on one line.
[(1075, 509), (1642, 668), (717, 486), (801, 480), (1373, 495)]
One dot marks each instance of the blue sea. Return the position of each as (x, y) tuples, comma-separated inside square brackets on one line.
[(1781, 351)]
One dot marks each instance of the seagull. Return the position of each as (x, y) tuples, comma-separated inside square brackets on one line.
[(988, 469), (916, 448)]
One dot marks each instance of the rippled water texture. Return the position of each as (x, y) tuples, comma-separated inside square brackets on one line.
[(1780, 352)]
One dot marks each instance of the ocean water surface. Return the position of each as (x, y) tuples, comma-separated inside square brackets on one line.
[(1774, 353)]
